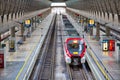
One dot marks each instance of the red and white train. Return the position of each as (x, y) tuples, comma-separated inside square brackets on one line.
[(74, 45), (74, 51)]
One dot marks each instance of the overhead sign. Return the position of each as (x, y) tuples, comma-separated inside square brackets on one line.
[(91, 22), (27, 23)]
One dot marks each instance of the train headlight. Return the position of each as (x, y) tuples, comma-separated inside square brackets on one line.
[(75, 41), (83, 59), (68, 60)]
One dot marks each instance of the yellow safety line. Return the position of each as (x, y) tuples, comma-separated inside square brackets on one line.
[(102, 70), (26, 60)]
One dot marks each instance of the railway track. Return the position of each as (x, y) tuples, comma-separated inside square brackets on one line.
[(76, 73), (47, 70), (80, 72), (44, 67)]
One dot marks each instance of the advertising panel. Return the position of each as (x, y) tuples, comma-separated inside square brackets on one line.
[(1, 58), (111, 45)]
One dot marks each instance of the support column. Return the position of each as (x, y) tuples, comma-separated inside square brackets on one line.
[(118, 52), (86, 24), (28, 32), (0, 41), (12, 40), (35, 22), (91, 31), (12, 30), (22, 32), (98, 31), (32, 26), (118, 18), (107, 31)]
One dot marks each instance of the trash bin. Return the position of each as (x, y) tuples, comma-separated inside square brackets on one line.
[(3, 45)]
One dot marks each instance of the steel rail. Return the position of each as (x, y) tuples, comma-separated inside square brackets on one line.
[(41, 58), (47, 70)]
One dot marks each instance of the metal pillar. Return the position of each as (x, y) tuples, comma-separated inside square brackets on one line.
[(91, 31), (0, 41), (118, 52), (107, 31), (28, 32), (12, 30), (118, 18), (12, 40), (97, 31), (22, 32), (35, 22), (32, 26)]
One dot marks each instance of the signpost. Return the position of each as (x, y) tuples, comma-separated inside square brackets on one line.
[(27, 23), (91, 23)]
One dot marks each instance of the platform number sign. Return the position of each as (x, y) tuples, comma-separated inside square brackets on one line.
[(27, 23), (91, 23), (105, 45)]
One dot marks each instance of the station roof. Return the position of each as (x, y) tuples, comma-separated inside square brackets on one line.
[(94, 6), (97, 6)]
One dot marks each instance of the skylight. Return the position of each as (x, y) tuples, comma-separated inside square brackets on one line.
[(58, 4)]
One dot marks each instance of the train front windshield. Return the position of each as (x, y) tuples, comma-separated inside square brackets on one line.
[(75, 48)]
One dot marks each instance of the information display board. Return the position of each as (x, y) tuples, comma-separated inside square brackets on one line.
[(105, 45)]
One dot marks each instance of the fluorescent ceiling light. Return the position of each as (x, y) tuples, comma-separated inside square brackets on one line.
[(58, 4)]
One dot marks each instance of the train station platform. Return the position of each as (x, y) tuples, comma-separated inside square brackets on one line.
[(19, 64), (106, 60)]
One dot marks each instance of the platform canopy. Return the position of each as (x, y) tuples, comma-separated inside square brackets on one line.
[(96, 6), (8, 8)]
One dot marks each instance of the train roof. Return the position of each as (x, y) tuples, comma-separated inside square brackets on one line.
[(74, 38)]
